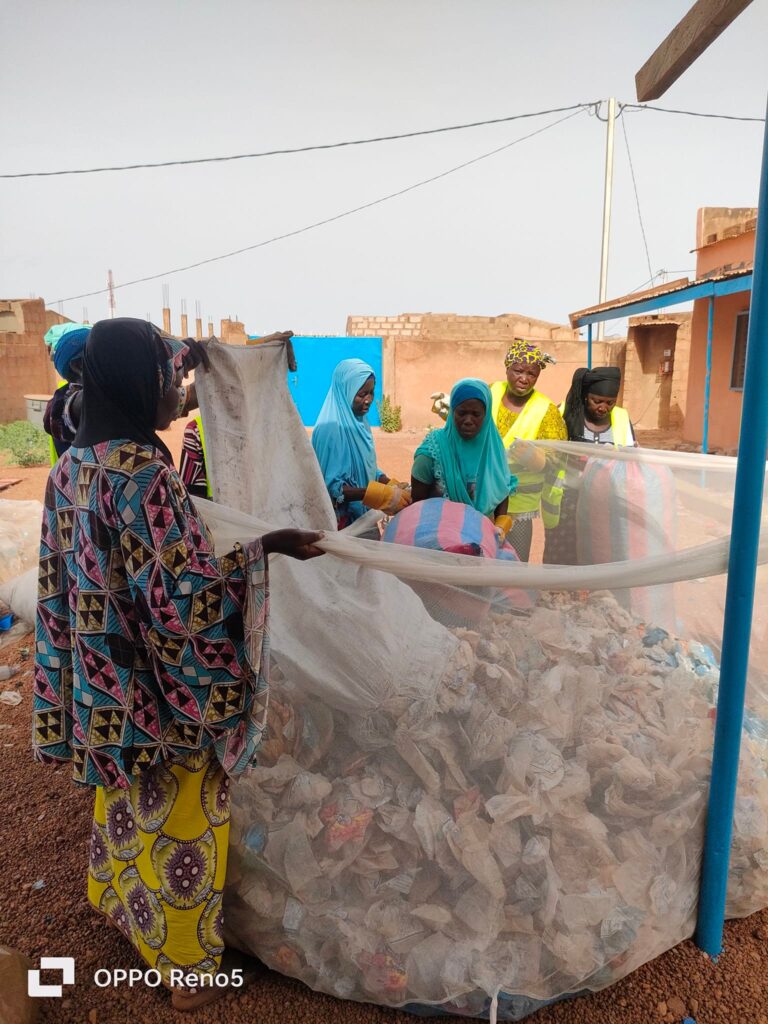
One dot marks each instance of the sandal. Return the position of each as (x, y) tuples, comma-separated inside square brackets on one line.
[(188, 999)]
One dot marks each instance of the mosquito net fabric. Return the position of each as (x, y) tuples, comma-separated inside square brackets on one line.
[(483, 783)]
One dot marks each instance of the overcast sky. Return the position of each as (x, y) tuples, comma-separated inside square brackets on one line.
[(88, 83)]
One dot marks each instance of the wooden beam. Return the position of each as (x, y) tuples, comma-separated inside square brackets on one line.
[(687, 41)]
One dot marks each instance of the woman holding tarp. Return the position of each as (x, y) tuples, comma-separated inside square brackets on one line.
[(151, 659), (345, 449)]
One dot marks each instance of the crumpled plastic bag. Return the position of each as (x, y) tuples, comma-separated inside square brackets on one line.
[(19, 537)]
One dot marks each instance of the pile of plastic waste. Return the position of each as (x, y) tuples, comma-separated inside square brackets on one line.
[(533, 828)]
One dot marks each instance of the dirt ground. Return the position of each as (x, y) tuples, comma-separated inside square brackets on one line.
[(44, 830)]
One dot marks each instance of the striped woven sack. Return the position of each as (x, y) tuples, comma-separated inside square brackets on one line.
[(441, 525)]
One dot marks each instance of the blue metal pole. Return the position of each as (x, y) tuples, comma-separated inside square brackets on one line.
[(589, 346), (742, 568), (708, 377)]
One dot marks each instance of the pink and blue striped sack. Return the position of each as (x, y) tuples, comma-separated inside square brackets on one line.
[(441, 525)]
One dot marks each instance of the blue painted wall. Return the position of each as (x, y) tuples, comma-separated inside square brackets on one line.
[(317, 358)]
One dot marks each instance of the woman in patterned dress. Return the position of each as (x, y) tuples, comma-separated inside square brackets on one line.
[(151, 658)]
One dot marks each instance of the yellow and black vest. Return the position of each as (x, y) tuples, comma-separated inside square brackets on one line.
[(620, 425), (534, 491)]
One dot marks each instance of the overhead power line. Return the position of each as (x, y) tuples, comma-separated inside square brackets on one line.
[(335, 217), (637, 196), (691, 113), (594, 106), (303, 149)]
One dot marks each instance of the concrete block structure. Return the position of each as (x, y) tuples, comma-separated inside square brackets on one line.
[(725, 244), (658, 347), (655, 385), (426, 352), (25, 368)]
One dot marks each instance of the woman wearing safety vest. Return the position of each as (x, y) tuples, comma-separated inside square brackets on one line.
[(592, 417), (590, 411), (523, 414)]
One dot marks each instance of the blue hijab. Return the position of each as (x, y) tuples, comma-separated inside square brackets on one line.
[(69, 345), (342, 441), (481, 460)]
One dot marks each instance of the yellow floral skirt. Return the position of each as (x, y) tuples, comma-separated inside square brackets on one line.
[(158, 861)]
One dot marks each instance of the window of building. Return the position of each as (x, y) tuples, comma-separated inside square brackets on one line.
[(739, 352)]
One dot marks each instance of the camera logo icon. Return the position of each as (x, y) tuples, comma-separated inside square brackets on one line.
[(65, 964)]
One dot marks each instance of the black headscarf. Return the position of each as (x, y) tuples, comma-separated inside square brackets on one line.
[(601, 380), (125, 370)]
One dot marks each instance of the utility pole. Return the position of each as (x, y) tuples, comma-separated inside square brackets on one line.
[(607, 194), (111, 288), (166, 309)]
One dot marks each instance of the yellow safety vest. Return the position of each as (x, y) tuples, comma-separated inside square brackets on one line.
[(533, 490), (51, 445), (622, 428), (208, 488), (620, 425)]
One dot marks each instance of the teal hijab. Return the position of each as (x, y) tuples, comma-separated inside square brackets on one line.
[(481, 460)]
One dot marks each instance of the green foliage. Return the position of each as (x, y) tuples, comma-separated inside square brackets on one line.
[(391, 420), (25, 444)]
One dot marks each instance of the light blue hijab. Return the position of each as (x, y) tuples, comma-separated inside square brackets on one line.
[(342, 441), (481, 460)]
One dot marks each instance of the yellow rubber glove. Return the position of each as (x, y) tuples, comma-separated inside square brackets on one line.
[(503, 525), (388, 498), (398, 483)]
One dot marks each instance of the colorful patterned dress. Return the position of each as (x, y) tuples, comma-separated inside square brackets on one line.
[(151, 679)]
